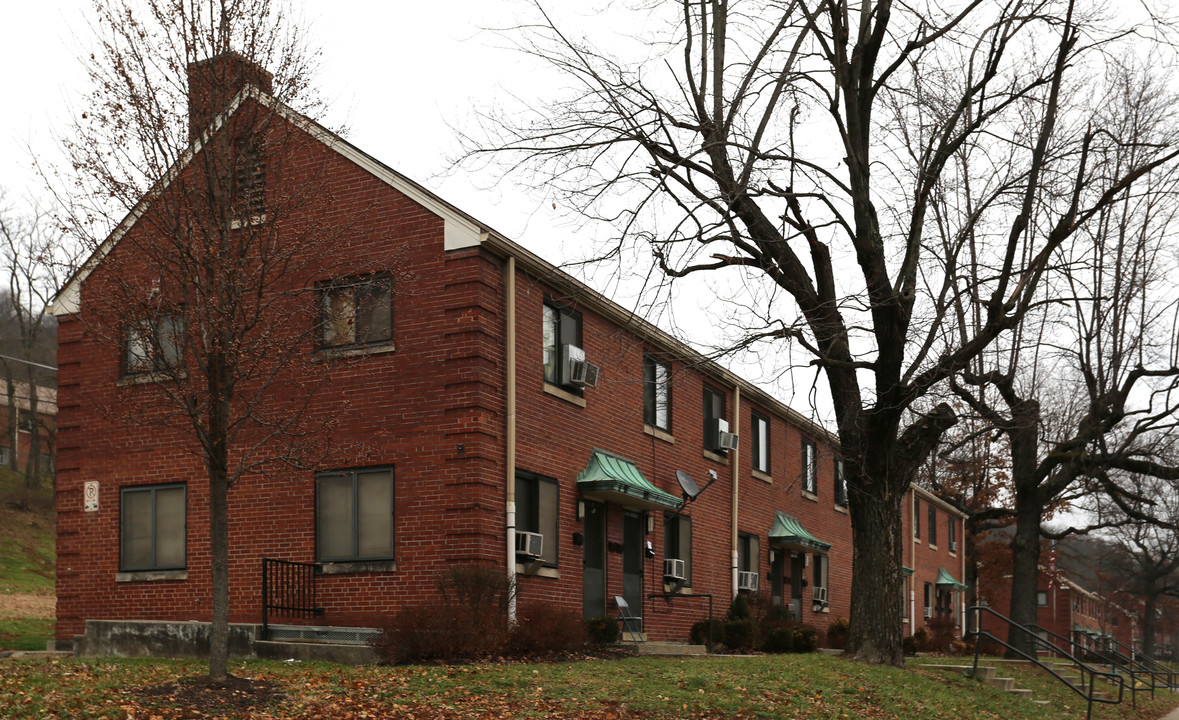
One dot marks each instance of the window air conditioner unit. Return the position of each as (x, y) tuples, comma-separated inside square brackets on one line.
[(529, 544), (575, 370), (928, 613), (747, 581), (953, 546), (726, 440), (673, 569), (820, 595)]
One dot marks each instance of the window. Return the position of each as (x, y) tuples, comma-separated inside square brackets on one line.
[(656, 392), (249, 181), (152, 528), (928, 598), (840, 483), (677, 542), (916, 518), (562, 329), (5, 456), (47, 463), (810, 480), (536, 511), (1041, 598), (748, 552), (154, 346), (951, 534), (932, 525), (761, 443), (714, 413), (354, 515), (819, 564), (356, 311), (25, 421)]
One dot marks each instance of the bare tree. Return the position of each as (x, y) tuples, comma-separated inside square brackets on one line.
[(206, 287), (33, 260), (801, 145)]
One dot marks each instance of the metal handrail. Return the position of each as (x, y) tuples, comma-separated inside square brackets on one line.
[(677, 596), (1155, 666), (1086, 690), (1114, 659), (288, 590)]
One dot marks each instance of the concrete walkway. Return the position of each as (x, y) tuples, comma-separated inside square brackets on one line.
[(1174, 715)]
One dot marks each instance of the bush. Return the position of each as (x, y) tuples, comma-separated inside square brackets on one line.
[(543, 629), (837, 633), (469, 623), (739, 608), (806, 638), (699, 632), (909, 645), (602, 630), (920, 640), (778, 640), (940, 635), (741, 634)]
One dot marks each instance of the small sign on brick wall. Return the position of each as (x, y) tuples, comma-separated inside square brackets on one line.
[(90, 496)]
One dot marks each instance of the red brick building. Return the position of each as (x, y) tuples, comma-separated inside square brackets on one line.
[(17, 440), (934, 561), (507, 415)]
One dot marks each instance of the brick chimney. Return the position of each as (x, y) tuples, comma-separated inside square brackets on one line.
[(214, 82)]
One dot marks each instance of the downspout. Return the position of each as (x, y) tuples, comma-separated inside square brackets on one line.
[(913, 559), (734, 456), (962, 569), (510, 431)]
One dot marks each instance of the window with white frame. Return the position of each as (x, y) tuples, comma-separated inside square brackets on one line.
[(819, 564), (155, 345), (714, 412), (354, 515), (840, 483), (761, 442), (810, 478), (356, 312), (152, 521), (657, 392), (1042, 598), (536, 511)]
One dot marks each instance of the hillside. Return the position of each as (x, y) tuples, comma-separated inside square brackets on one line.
[(26, 564)]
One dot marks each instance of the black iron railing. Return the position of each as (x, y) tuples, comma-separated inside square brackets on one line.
[(288, 590), (1087, 687), (1159, 669), (694, 596), (1137, 673)]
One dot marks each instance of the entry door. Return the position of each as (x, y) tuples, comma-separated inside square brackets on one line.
[(594, 561), (777, 563), (797, 568), (632, 562)]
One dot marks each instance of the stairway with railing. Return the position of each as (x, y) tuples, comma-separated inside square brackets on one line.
[(1141, 677), (1167, 674), (1086, 685)]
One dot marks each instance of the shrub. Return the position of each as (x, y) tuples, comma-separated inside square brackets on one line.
[(806, 638), (940, 635), (543, 629), (778, 640), (920, 640), (837, 633), (739, 608), (699, 632), (741, 634), (470, 622), (601, 630), (909, 645)]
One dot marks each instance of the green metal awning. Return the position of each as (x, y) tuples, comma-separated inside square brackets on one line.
[(612, 478), (789, 533), (945, 578), (906, 571)]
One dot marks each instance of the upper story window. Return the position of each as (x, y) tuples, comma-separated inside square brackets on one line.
[(840, 483), (714, 418), (932, 525), (355, 312), (810, 470), (916, 518), (761, 442), (354, 515), (562, 341), (249, 182), (657, 392), (951, 533), (536, 511), (154, 345), (152, 528), (1042, 598)]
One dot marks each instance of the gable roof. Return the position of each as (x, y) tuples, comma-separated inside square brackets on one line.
[(461, 230)]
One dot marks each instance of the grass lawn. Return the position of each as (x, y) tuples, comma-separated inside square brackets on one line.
[(26, 563), (791, 686)]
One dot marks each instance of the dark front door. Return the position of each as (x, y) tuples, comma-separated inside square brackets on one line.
[(777, 561), (797, 568), (594, 560), (632, 562)]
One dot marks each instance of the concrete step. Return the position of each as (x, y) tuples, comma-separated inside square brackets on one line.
[(670, 649), (1021, 692), (1005, 684)]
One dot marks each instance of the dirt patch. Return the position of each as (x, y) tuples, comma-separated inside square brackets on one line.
[(25, 605), (235, 696)]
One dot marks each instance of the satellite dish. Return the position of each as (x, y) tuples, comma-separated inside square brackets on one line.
[(687, 484)]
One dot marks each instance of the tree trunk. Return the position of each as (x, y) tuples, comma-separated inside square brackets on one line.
[(13, 426), (33, 461), (1148, 617), (219, 541), (874, 635), (1025, 570)]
